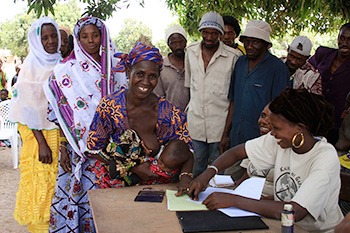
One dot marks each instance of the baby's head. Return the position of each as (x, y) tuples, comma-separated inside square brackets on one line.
[(174, 155)]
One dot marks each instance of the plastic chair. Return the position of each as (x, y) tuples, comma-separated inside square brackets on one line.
[(8, 130)]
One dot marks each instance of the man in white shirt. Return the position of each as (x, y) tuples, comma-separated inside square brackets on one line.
[(208, 68)]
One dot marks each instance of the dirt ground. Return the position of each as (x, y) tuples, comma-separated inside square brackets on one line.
[(9, 179)]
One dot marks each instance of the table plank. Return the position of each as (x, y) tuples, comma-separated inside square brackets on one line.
[(114, 211)]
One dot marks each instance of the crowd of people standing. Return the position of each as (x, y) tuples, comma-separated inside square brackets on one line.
[(79, 103)]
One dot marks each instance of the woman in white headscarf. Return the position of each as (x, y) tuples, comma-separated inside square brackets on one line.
[(74, 91), (40, 137)]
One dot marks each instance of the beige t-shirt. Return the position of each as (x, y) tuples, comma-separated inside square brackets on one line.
[(312, 179)]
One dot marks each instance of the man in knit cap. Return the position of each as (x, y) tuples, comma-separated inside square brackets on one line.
[(298, 54), (258, 77), (208, 68), (172, 77)]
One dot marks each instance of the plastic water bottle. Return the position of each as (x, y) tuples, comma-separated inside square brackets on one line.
[(287, 219)]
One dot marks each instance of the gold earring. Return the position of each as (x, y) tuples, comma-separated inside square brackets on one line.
[(301, 142)]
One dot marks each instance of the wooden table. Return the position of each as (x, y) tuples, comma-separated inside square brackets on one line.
[(115, 211)]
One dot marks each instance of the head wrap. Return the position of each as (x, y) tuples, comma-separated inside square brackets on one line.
[(139, 52), (107, 50), (28, 104), (35, 45), (66, 29), (86, 21)]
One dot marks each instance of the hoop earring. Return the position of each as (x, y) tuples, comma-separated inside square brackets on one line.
[(301, 142)]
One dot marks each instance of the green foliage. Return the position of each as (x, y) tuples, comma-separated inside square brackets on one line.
[(102, 9), (131, 31), (163, 47), (67, 14), (14, 32), (285, 17), (41, 6)]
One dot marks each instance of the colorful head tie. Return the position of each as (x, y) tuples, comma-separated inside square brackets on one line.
[(86, 21), (139, 52)]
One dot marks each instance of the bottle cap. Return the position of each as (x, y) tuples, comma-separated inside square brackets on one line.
[(288, 207)]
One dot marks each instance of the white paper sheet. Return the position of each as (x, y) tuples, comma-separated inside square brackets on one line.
[(221, 181), (251, 188)]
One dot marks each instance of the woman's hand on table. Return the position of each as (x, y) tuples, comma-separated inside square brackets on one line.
[(219, 200), (200, 183), (144, 172), (184, 184)]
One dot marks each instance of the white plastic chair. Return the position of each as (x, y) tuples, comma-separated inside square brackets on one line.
[(8, 130)]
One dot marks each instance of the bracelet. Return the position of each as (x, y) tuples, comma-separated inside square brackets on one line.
[(185, 174), (63, 139), (215, 168)]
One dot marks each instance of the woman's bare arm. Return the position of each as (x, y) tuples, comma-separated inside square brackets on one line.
[(45, 153), (266, 208)]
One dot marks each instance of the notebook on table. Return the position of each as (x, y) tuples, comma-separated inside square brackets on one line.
[(213, 220)]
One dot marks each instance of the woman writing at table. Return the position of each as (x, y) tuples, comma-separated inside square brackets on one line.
[(155, 120), (306, 167)]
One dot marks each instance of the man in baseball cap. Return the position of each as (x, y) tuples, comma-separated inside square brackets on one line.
[(208, 68), (298, 54)]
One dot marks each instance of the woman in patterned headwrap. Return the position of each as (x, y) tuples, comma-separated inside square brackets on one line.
[(154, 119), (39, 155), (74, 90)]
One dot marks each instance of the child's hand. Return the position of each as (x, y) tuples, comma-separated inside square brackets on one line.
[(143, 171), (145, 149)]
